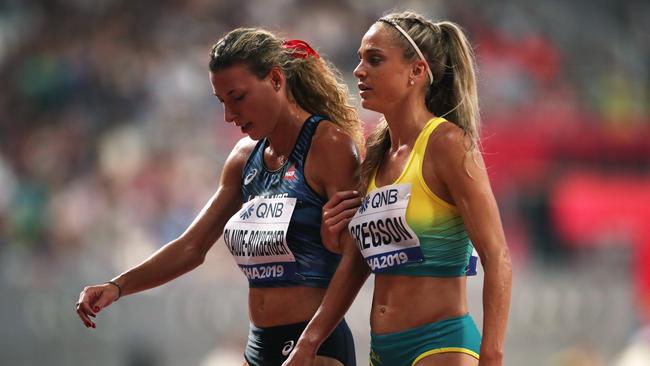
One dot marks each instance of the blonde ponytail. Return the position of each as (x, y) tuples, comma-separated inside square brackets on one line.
[(462, 103)]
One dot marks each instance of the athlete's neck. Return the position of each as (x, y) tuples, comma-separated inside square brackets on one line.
[(406, 122), (284, 136)]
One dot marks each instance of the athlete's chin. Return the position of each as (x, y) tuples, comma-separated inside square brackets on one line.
[(369, 105), (254, 135)]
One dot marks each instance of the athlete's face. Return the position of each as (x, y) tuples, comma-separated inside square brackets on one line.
[(248, 102), (383, 72)]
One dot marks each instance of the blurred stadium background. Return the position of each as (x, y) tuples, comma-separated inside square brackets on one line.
[(111, 141)]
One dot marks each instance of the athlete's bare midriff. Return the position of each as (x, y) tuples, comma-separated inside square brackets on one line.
[(404, 302), (269, 307)]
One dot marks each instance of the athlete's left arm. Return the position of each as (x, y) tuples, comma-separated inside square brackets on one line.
[(335, 159), (332, 166), (465, 178)]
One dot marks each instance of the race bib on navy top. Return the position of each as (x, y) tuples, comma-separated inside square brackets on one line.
[(257, 238), (276, 240), (381, 232)]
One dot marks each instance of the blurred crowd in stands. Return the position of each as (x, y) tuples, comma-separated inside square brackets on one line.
[(111, 141)]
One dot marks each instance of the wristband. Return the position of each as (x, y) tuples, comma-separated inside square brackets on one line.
[(119, 288)]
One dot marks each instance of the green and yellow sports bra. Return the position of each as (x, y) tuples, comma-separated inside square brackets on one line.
[(405, 229)]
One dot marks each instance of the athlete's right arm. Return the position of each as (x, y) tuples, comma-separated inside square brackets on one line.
[(181, 255)]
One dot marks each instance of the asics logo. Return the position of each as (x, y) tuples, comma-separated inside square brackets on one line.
[(288, 346), (250, 176)]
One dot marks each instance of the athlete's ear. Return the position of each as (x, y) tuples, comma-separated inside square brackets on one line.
[(419, 70), (276, 78)]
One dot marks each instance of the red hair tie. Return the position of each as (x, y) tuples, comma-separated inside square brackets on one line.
[(299, 49)]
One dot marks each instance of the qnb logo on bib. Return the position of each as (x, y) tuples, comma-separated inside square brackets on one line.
[(381, 232), (247, 212), (257, 238), (364, 204)]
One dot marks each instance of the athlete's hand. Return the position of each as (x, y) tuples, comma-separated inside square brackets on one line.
[(93, 299), (337, 213)]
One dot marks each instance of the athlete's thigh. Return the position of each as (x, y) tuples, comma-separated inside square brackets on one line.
[(448, 359), (327, 361)]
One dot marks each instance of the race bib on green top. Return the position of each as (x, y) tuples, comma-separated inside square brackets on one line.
[(381, 232), (257, 238)]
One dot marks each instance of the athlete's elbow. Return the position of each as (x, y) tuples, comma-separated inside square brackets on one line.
[(505, 261), (196, 246), (497, 260), (198, 259), (194, 255)]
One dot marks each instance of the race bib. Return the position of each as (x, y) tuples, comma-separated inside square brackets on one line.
[(381, 232), (257, 237)]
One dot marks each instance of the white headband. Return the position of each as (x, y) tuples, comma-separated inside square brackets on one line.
[(412, 42)]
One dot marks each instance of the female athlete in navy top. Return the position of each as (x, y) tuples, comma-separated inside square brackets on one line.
[(287, 98), (313, 264)]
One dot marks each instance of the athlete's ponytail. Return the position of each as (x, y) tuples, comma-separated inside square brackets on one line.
[(456, 97)]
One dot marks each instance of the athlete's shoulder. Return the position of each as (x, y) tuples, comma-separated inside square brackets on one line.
[(447, 140), (331, 138), (242, 150), (450, 150), (239, 155), (333, 160), (245, 146)]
